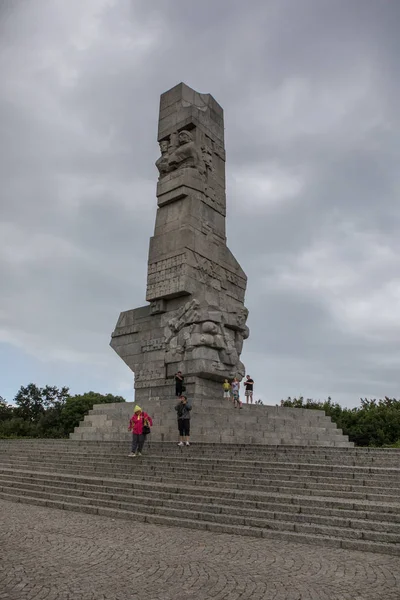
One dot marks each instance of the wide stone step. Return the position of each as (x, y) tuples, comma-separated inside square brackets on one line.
[(183, 458), (376, 476), (246, 427), (247, 496), (298, 454), (209, 448), (378, 521), (334, 527), (66, 443), (270, 472), (270, 529), (280, 462), (283, 486), (267, 438)]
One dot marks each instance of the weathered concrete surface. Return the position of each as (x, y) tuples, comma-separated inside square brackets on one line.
[(196, 319), (216, 422), (47, 554)]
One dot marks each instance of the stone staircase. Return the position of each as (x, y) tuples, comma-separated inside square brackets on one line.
[(216, 421), (339, 497)]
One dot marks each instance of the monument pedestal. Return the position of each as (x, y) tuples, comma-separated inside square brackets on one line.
[(215, 420)]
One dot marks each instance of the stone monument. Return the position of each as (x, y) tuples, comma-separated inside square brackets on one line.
[(195, 321)]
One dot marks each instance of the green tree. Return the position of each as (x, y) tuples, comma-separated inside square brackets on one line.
[(32, 401), (6, 411), (76, 407)]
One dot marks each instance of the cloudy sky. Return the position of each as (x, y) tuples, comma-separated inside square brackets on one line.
[(310, 90)]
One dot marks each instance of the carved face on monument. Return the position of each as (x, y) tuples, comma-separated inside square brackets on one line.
[(242, 317), (184, 137), (164, 146)]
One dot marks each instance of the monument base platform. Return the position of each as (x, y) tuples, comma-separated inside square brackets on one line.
[(216, 421)]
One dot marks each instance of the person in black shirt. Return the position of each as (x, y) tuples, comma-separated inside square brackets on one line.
[(179, 384), (248, 384), (183, 409)]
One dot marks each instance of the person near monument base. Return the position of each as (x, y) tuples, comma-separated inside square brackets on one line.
[(183, 409), (179, 386), (236, 393), (139, 423), (227, 389), (249, 385)]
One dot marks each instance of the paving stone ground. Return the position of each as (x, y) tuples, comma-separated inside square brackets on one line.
[(48, 554)]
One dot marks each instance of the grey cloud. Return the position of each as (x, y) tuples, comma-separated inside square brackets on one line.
[(310, 92)]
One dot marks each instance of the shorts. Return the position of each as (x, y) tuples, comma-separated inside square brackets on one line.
[(235, 395), (184, 427), (248, 393), (227, 394)]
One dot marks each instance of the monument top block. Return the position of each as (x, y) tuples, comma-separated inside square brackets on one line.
[(183, 108)]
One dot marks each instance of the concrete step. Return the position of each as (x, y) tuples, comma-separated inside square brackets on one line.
[(254, 438), (165, 461), (27, 483), (295, 455), (229, 426), (303, 486), (370, 540), (279, 520), (234, 495), (298, 454), (244, 469)]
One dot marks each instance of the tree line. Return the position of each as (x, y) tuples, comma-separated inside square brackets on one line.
[(51, 412), (372, 423), (47, 412)]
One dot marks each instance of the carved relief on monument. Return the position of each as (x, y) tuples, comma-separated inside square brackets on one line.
[(153, 345), (164, 277), (178, 152), (158, 307), (151, 373), (162, 163), (185, 155), (192, 151), (194, 326), (217, 276)]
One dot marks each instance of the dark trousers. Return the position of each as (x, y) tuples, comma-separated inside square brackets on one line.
[(137, 442), (184, 427), (178, 389)]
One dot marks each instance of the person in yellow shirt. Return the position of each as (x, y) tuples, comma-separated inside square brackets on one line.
[(227, 389)]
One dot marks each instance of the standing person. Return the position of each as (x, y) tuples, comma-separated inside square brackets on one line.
[(236, 393), (139, 420), (249, 384), (183, 409), (179, 384), (227, 389)]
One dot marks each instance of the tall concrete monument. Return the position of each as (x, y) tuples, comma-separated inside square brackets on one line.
[(195, 321)]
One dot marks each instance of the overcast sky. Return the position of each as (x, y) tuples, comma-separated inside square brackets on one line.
[(310, 90)]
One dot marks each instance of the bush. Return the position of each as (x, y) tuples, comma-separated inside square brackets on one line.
[(374, 423), (17, 427), (47, 412), (77, 407)]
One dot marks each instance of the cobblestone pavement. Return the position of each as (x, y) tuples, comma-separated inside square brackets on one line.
[(48, 554)]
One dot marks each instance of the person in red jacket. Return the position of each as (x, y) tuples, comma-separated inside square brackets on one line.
[(139, 420)]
